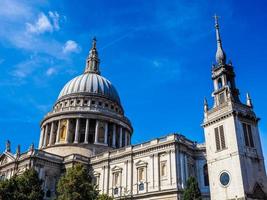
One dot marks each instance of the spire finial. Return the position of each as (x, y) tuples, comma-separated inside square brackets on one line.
[(92, 61), (18, 151), (206, 106), (249, 101), (220, 55), (8, 144), (94, 42)]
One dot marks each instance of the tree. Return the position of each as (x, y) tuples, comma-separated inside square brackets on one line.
[(76, 184), (7, 188), (24, 187), (192, 191), (104, 197)]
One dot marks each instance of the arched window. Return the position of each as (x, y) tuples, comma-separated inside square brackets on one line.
[(63, 130), (206, 175)]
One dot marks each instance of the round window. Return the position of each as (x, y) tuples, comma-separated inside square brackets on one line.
[(224, 178)]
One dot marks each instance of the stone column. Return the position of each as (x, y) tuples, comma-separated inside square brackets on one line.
[(77, 131), (106, 134), (51, 134), (126, 138), (96, 131), (86, 131), (58, 135), (67, 139), (41, 139), (120, 137), (170, 165), (157, 172), (114, 136), (45, 136), (182, 170)]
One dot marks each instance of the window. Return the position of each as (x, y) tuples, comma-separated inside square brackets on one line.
[(248, 135), (219, 138), (63, 130), (48, 193), (101, 134), (116, 191), (85, 102), (141, 174), (93, 102), (219, 83), (100, 103), (206, 175), (163, 168), (106, 105), (141, 187), (116, 178)]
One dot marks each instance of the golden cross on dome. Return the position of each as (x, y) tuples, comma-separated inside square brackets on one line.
[(216, 17)]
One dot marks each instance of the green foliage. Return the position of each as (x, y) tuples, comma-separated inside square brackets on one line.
[(24, 187), (76, 184), (192, 191), (104, 197)]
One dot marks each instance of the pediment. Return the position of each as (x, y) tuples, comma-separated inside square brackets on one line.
[(6, 157), (116, 168), (141, 163)]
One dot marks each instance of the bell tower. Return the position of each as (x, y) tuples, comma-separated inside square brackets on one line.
[(234, 153)]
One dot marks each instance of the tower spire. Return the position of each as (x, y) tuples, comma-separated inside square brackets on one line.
[(92, 61), (220, 54), (249, 101)]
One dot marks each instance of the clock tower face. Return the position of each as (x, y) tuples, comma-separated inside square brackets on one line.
[(225, 179)]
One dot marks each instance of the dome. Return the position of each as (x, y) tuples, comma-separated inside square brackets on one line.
[(90, 84), (87, 117)]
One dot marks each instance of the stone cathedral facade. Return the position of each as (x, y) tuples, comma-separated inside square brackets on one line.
[(87, 125)]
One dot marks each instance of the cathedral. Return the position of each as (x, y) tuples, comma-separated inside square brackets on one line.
[(87, 125)]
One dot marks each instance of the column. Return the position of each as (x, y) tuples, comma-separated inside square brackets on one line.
[(182, 170), (77, 131), (114, 136), (186, 167), (120, 137), (86, 131), (67, 139), (58, 134), (51, 134), (156, 172), (45, 136), (106, 133), (170, 165), (125, 138), (41, 140), (96, 131)]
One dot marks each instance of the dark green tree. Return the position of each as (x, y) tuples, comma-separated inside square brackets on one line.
[(7, 189), (192, 191), (104, 197), (24, 187), (76, 184)]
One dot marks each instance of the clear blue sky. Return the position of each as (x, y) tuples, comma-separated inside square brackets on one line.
[(158, 54)]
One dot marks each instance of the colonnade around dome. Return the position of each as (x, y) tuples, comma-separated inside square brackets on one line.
[(84, 131)]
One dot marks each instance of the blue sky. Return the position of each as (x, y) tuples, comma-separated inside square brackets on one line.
[(158, 54)]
